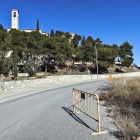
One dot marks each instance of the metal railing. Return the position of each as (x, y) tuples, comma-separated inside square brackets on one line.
[(87, 103)]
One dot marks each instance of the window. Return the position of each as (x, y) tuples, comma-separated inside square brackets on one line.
[(14, 14)]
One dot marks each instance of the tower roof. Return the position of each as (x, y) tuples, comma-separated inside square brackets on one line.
[(14, 10)]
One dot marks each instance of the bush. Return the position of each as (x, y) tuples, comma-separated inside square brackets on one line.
[(72, 67), (81, 68), (31, 73), (31, 69)]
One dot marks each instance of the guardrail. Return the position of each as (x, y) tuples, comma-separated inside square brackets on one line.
[(87, 103)]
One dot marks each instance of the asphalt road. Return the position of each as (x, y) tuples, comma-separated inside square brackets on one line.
[(45, 115)]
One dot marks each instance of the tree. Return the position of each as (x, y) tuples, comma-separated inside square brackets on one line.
[(88, 51), (5, 63), (51, 50), (31, 67), (90, 39), (106, 57), (52, 33), (3, 33), (79, 54), (1, 27), (42, 49), (98, 40), (83, 41), (67, 35), (125, 53), (84, 37), (85, 52), (75, 40), (15, 62), (37, 26), (66, 50), (59, 33), (115, 46), (16, 44), (5, 66), (127, 61), (125, 49)]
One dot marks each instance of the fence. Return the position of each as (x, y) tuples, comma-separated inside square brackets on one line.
[(87, 103)]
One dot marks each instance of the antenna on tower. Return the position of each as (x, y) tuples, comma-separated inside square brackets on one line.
[(15, 6)]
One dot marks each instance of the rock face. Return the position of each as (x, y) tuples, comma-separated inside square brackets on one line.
[(58, 80)]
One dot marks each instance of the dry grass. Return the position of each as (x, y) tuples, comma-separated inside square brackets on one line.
[(124, 97)]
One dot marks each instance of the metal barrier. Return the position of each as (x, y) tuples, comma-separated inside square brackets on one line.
[(86, 103)]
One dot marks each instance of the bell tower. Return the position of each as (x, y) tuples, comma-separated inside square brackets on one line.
[(15, 19)]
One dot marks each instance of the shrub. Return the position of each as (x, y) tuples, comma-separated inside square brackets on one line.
[(72, 67), (81, 68), (31, 68), (31, 72)]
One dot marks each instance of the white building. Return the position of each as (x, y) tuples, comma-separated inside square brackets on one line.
[(15, 23), (72, 36)]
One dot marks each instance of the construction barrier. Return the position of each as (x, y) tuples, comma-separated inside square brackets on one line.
[(110, 78), (94, 90), (87, 103)]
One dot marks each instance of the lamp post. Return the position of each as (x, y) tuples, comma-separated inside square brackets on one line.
[(96, 59)]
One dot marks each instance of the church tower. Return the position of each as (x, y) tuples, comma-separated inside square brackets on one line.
[(15, 19)]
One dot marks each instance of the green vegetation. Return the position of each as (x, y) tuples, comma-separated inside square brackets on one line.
[(125, 53), (124, 99), (37, 26), (34, 50), (15, 64)]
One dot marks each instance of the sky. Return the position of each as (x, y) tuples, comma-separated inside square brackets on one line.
[(113, 21)]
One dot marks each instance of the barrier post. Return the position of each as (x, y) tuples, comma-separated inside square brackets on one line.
[(91, 104), (99, 124), (73, 101)]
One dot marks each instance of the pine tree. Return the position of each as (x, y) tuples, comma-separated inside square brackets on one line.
[(52, 33), (37, 26)]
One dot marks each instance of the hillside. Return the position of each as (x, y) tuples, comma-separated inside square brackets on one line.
[(111, 70), (116, 69)]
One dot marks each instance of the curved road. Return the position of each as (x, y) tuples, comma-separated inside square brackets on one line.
[(45, 115)]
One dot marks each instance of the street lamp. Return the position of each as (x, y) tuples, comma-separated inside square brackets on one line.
[(96, 59)]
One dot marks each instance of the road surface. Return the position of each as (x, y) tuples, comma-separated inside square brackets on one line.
[(44, 115)]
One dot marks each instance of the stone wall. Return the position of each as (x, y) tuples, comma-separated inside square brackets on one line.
[(58, 80)]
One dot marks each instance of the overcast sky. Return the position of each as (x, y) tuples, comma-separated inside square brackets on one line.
[(113, 21)]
